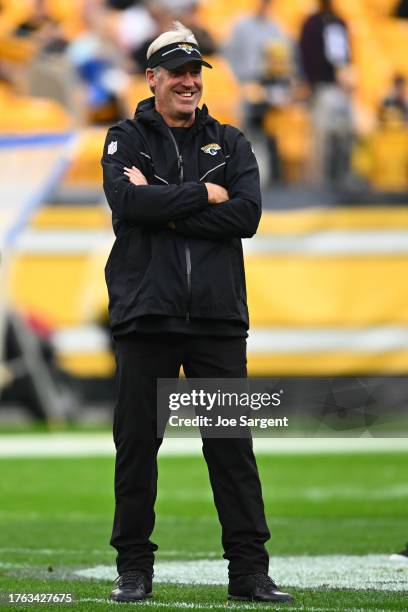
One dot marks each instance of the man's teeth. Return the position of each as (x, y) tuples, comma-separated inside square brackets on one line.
[(186, 94)]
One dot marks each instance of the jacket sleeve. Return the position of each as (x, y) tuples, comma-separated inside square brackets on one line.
[(239, 216), (144, 204)]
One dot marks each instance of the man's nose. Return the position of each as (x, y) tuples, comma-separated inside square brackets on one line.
[(188, 79)]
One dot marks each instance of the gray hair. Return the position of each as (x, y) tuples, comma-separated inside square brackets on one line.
[(156, 71), (179, 33)]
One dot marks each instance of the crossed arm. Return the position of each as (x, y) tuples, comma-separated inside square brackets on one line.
[(192, 209), (216, 193)]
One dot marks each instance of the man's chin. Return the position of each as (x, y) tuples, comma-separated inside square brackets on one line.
[(184, 115)]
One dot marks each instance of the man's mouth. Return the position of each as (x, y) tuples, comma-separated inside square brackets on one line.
[(185, 94)]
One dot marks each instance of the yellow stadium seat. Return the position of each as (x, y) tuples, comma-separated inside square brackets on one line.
[(68, 14), (383, 8), (65, 12), (136, 91), (16, 50), (85, 169), (291, 127), (15, 11), (389, 158), (25, 114), (221, 91)]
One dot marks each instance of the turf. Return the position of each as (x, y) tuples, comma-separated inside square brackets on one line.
[(55, 517)]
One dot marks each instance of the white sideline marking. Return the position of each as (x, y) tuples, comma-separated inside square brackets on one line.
[(265, 340), (276, 340), (331, 242), (99, 551), (239, 605), (63, 241), (101, 444), (368, 572)]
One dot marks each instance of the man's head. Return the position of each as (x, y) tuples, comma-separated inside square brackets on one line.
[(174, 75), (326, 6), (263, 7)]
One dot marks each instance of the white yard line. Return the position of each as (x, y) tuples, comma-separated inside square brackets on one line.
[(368, 572), (101, 444), (210, 605), (101, 551)]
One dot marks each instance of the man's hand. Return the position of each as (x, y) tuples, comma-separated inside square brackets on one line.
[(216, 193), (135, 176)]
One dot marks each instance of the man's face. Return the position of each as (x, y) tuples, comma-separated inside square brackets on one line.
[(177, 92)]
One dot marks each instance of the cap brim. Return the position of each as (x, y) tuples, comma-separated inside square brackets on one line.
[(181, 61)]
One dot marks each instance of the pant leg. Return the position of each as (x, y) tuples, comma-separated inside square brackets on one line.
[(231, 463), (141, 359)]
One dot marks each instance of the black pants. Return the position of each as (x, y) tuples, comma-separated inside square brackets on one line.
[(141, 359)]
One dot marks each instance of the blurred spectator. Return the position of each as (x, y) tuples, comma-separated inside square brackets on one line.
[(121, 5), (97, 63), (325, 53), (395, 104), (136, 26), (42, 28), (263, 59), (402, 9), (140, 24), (189, 16)]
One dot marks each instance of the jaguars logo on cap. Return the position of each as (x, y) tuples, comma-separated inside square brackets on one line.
[(211, 149), (186, 47)]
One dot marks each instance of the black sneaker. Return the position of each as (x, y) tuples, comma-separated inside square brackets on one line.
[(401, 556), (133, 585), (256, 587)]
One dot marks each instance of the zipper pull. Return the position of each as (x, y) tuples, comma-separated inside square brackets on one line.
[(180, 164)]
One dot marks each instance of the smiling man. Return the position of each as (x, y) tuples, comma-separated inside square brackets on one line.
[(183, 190)]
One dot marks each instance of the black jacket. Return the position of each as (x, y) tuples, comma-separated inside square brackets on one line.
[(195, 270)]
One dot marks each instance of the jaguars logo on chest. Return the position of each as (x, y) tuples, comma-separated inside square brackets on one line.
[(211, 149)]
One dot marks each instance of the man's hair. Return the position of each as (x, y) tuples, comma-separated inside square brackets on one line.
[(179, 33)]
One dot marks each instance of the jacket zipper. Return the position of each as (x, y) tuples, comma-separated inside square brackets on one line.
[(180, 166)]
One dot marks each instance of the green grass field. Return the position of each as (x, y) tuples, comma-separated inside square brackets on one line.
[(55, 519)]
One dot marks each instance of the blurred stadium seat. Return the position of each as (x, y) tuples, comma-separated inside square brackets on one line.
[(25, 114), (85, 170), (388, 148), (291, 127)]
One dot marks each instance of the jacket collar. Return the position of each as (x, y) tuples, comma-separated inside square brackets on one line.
[(147, 113)]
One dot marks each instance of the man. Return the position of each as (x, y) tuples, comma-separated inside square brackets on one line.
[(261, 53), (326, 55), (183, 190)]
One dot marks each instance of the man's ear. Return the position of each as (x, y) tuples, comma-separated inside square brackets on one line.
[(150, 78)]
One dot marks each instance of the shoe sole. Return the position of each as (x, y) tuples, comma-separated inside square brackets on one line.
[(242, 598), (118, 600)]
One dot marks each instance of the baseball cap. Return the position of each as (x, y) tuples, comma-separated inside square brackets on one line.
[(175, 55)]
